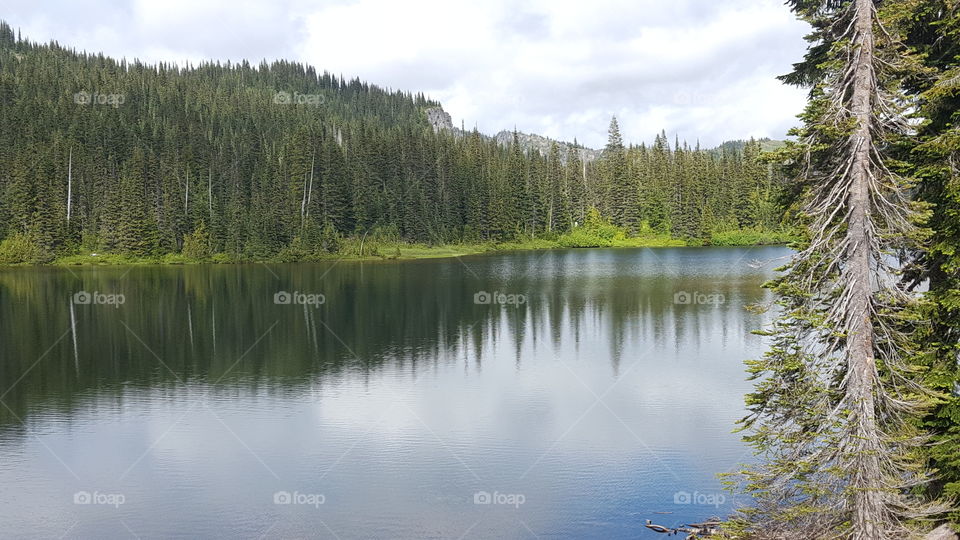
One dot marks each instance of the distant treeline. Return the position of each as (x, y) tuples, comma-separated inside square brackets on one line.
[(123, 157)]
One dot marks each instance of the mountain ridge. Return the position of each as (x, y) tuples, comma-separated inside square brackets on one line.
[(440, 120)]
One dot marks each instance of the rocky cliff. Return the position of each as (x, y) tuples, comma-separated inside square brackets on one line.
[(440, 120)]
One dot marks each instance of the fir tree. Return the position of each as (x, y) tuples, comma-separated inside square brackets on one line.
[(837, 398)]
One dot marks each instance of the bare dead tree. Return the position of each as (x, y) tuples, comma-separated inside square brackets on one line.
[(69, 185)]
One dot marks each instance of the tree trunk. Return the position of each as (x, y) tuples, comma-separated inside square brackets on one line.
[(866, 482), (69, 185)]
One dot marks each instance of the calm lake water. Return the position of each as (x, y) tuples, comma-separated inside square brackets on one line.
[(553, 394)]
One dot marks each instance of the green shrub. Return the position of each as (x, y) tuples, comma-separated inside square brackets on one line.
[(750, 237), (176, 258), (595, 232), (295, 252), (196, 245), (330, 239), (19, 248)]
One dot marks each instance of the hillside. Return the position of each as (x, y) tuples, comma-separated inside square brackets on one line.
[(281, 160)]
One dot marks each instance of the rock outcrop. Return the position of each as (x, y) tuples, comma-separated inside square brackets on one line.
[(440, 120), (530, 141), (943, 532)]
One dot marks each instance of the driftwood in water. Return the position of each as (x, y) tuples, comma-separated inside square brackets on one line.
[(709, 527)]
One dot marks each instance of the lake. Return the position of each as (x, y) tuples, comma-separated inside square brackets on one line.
[(552, 394)]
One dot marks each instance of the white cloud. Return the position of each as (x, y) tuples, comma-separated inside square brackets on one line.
[(702, 69)]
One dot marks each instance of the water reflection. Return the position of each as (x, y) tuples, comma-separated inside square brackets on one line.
[(202, 322), (610, 388)]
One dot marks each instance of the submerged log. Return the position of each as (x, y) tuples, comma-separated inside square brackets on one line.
[(709, 527), (659, 528)]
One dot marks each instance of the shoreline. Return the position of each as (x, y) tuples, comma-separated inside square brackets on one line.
[(397, 252)]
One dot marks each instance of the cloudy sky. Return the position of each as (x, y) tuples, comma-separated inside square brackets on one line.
[(701, 69)]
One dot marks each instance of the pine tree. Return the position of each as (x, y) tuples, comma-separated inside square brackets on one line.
[(136, 232), (620, 191), (576, 178), (837, 400), (558, 193), (935, 36), (655, 190)]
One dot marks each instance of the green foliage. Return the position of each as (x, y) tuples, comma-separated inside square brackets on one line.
[(751, 237), (595, 232), (196, 245), (379, 242), (19, 248), (330, 239), (221, 258), (933, 36)]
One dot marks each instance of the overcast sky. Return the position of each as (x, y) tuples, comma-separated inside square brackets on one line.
[(701, 69)]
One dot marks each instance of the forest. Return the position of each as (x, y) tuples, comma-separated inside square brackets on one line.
[(234, 162), (855, 414)]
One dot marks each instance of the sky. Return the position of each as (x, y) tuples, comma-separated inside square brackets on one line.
[(703, 70)]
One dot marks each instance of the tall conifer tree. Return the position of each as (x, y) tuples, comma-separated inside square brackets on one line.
[(837, 401)]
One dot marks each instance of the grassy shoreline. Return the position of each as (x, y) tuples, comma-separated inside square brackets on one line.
[(402, 251)]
